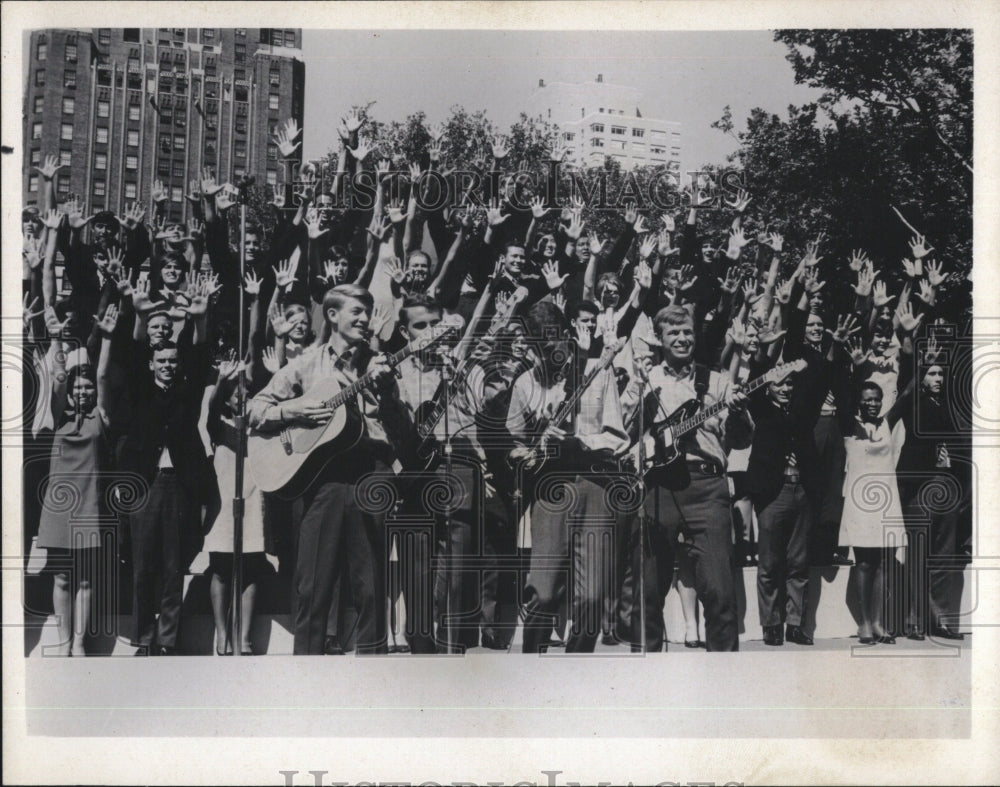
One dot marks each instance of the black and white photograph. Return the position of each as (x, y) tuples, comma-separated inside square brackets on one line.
[(543, 379)]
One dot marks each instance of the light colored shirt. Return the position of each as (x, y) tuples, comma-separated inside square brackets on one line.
[(418, 382), (714, 438)]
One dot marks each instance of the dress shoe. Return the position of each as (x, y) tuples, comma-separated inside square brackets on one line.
[(491, 642), (866, 640), (166, 650), (142, 650), (840, 560), (885, 639), (914, 633), (697, 643), (772, 635), (607, 638), (797, 635), (331, 647), (943, 632)]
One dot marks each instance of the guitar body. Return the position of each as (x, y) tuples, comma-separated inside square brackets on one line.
[(288, 461), (665, 465)]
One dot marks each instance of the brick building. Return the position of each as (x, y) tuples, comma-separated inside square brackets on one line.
[(130, 106)]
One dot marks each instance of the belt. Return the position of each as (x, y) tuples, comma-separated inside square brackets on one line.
[(792, 476), (705, 468), (166, 471)]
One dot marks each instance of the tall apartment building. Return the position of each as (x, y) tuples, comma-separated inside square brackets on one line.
[(130, 106), (598, 119)]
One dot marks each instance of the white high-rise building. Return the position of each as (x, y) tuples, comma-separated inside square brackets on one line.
[(598, 119)]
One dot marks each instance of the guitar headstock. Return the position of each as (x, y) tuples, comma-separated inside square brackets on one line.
[(438, 333), (782, 370), (610, 351)]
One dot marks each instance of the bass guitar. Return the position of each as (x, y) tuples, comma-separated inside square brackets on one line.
[(288, 460)]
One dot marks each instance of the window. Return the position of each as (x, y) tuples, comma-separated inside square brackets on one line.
[(618, 130), (597, 142), (211, 89), (241, 32), (179, 32), (289, 38), (240, 148), (241, 110), (272, 177), (132, 139), (104, 77), (131, 34), (66, 132), (277, 38), (208, 35), (240, 126), (134, 112), (98, 187), (176, 194), (272, 152), (36, 157), (210, 146), (597, 128), (39, 105), (569, 136), (132, 162), (275, 77), (102, 135), (33, 183), (657, 149), (210, 63), (100, 161), (241, 93), (163, 167), (40, 78), (273, 101), (63, 187), (69, 79), (166, 83), (130, 190), (241, 52), (212, 107), (70, 53), (42, 51), (638, 133), (178, 169), (104, 36), (103, 109), (178, 142), (65, 157), (239, 172), (36, 131)]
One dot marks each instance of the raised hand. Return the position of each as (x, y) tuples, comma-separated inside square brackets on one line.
[(436, 132), (847, 325), (195, 228), (935, 273), (396, 213), (575, 228), (52, 324), (107, 323), (644, 275), (270, 360), (775, 241), (866, 278), (880, 296), (559, 300), (52, 218), (737, 332), (49, 167), (284, 273), (381, 315), (278, 199), (858, 260), (352, 122), (74, 214), (737, 240), (394, 268), (114, 263), (740, 200), (133, 215), (926, 292), (811, 259), (596, 244), (140, 296), (631, 213), (380, 230), (360, 153), (640, 225), (731, 282), (415, 173), (856, 350), (918, 247), (193, 194), (688, 278), (434, 151), (158, 192), (281, 326), (313, 223), (286, 138), (910, 268), (226, 197), (251, 284), (647, 247), (907, 321), (811, 282), (34, 251), (209, 188), (538, 209), (668, 222), (28, 310), (550, 271), (783, 292), (500, 147), (493, 215)]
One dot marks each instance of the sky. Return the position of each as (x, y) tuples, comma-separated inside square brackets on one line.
[(687, 77)]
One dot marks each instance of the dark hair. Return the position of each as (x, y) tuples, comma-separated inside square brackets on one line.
[(338, 252), (176, 257), (167, 344), (417, 300), (575, 307), (106, 217), (672, 315), (871, 386), (610, 277), (882, 328), (254, 229), (545, 321)]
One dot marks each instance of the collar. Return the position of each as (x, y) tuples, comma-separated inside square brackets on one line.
[(340, 361), (686, 371)]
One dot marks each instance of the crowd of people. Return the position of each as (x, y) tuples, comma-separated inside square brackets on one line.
[(486, 412)]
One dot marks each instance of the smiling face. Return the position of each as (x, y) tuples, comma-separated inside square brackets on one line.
[(583, 248), (340, 268), (83, 396), (251, 241), (513, 261), (880, 343), (610, 296), (548, 247), (351, 321), (518, 342), (159, 328), (781, 391), (814, 329), (870, 404), (164, 365), (677, 341), (419, 268), (752, 342), (324, 207), (420, 321), (172, 273), (103, 234), (298, 319), (585, 320)]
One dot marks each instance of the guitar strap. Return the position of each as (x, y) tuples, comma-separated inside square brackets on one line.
[(701, 375)]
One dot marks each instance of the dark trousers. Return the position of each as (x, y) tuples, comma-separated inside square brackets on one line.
[(934, 563), (418, 527), (783, 556), (335, 536), (162, 536), (572, 550), (830, 504), (498, 583), (698, 521)]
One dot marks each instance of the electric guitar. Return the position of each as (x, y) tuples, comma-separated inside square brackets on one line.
[(287, 461), (663, 452)]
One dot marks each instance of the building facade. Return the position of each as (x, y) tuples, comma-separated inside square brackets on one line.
[(125, 107), (598, 119)]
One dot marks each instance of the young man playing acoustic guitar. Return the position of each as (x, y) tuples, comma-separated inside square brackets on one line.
[(688, 507), (333, 523)]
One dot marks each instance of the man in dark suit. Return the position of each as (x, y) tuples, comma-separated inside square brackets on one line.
[(165, 447)]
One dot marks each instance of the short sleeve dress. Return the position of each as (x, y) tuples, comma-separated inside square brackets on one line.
[(219, 537)]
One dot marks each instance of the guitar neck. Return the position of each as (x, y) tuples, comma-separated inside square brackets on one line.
[(347, 393), (692, 423), (569, 405)]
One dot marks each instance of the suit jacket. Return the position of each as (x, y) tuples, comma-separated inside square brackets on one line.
[(168, 418)]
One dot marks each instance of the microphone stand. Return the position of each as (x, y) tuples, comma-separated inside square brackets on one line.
[(641, 489), (241, 436), (447, 375)]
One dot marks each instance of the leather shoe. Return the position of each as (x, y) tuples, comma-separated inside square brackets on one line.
[(491, 642), (885, 639), (772, 635), (331, 647), (915, 634), (607, 638), (943, 632), (166, 650), (697, 643), (797, 635)]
